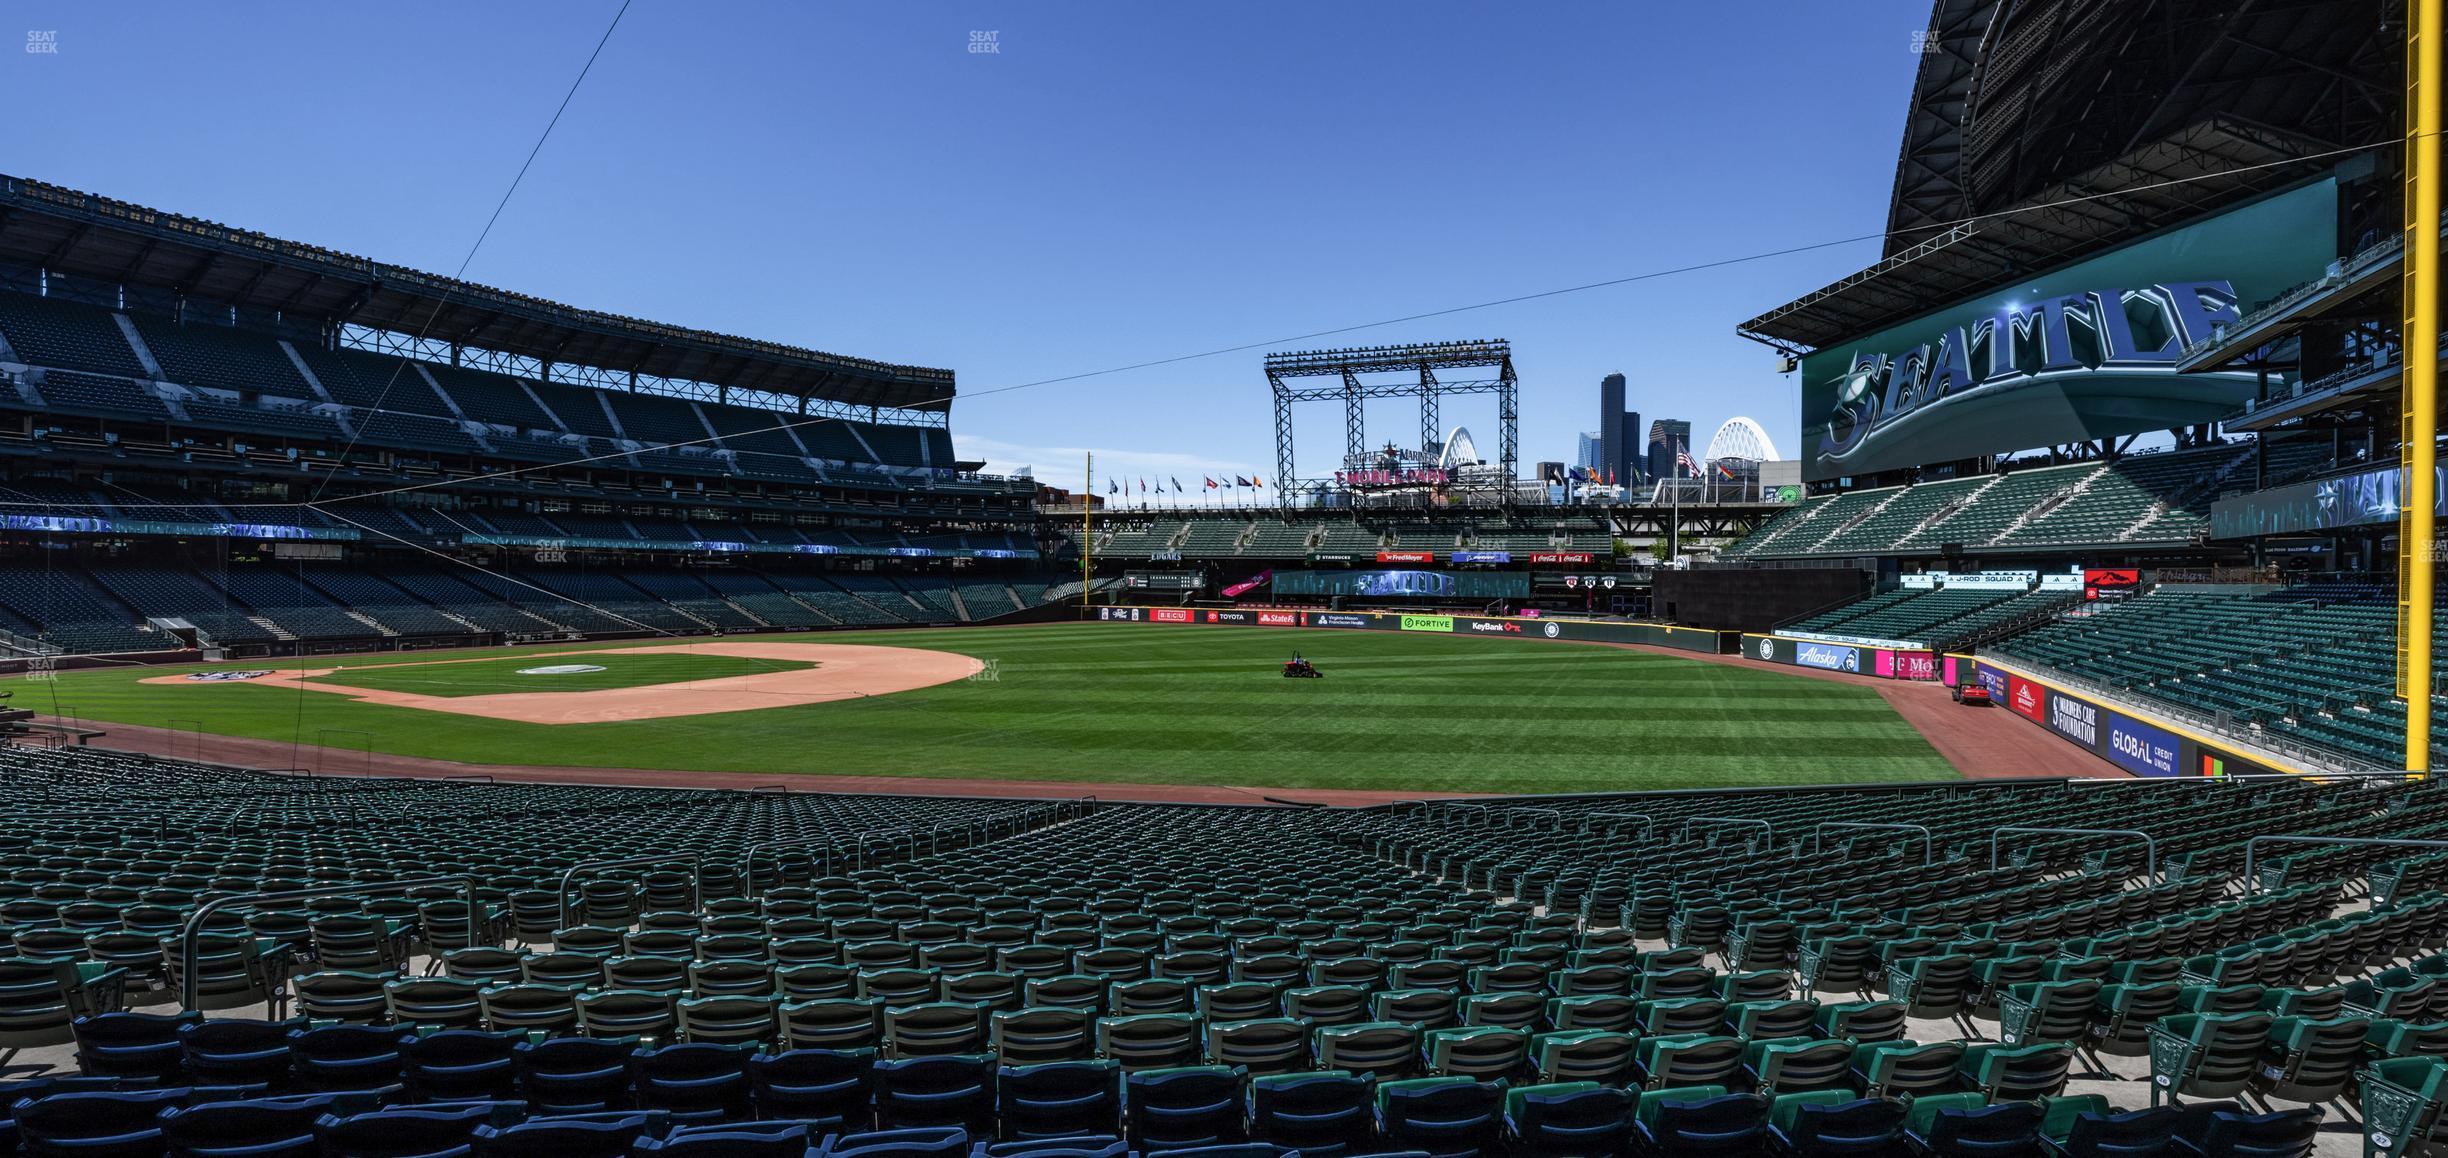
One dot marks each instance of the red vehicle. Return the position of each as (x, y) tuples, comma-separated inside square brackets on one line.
[(1297, 668), (1972, 695)]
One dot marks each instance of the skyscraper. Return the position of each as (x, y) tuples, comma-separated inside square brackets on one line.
[(1668, 437), (1589, 452), (1618, 436)]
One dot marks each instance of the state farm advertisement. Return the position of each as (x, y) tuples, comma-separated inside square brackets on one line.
[(1279, 619)]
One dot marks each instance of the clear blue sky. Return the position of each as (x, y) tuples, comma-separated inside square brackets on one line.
[(1120, 182)]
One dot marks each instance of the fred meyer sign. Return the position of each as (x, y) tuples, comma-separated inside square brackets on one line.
[(2081, 352)]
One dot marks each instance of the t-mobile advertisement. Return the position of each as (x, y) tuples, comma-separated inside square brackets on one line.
[(1907, 665)]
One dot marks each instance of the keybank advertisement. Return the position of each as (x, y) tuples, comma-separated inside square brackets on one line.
[(2084, 351)]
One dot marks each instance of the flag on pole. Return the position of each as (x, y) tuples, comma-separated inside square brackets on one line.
[(1684, 458), (1243, 481), (1143, 484), (1211, 484), (1112, 487), (1256, 481), (1177, 487)]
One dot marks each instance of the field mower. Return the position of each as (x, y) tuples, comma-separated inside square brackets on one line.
[(1297, 668)]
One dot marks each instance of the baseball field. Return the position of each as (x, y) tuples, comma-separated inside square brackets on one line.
[(1082, 702)]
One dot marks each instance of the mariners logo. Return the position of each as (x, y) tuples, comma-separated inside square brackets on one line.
[(1767, 649), (1553, 630)]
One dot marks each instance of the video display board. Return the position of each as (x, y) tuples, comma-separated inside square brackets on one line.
[(2087, 350)]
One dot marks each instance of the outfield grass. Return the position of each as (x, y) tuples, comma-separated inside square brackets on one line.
[(427, 676), (1195, 705)]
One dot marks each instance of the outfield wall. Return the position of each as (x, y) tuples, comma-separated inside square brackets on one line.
[(2140, 742), (1522, 627), (1895, 663)]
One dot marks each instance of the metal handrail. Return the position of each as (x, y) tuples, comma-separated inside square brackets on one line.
[(696, 861), (1929, 842), (1648, 822), (2252, 880), (1558, 813), (1689, 821), (2150, 844), (1465, 804), (194, 927), (747, 866)]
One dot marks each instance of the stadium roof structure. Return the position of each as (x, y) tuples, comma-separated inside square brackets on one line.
[(97, 238), (2043, 130)]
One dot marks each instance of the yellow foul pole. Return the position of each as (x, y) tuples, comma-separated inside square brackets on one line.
[(1087, 535), (2419, 428)]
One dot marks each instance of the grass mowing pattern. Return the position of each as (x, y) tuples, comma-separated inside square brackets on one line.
[(1188, 705), (497, 674)]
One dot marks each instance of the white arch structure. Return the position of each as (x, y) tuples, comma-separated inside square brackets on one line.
[(1459, 450), (1743, 439)]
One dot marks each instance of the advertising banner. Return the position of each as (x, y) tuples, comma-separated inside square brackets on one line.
[(1994, 680), (1427, 623), (1493, 626), (2076, 720), (1279, 619), (1483, 556), (1248, 585), (2028, 699), (2083, 351), (1243, 617), (1171, 615), (1454, 585), (2110, 583), (1907, 665), (1830, 656), (1127, 613), (1340, 619), (2348, 500), (2142, 749), (1406, 556), (1567, 558)]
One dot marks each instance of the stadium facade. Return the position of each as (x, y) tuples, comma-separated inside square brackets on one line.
[(216, 441)]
